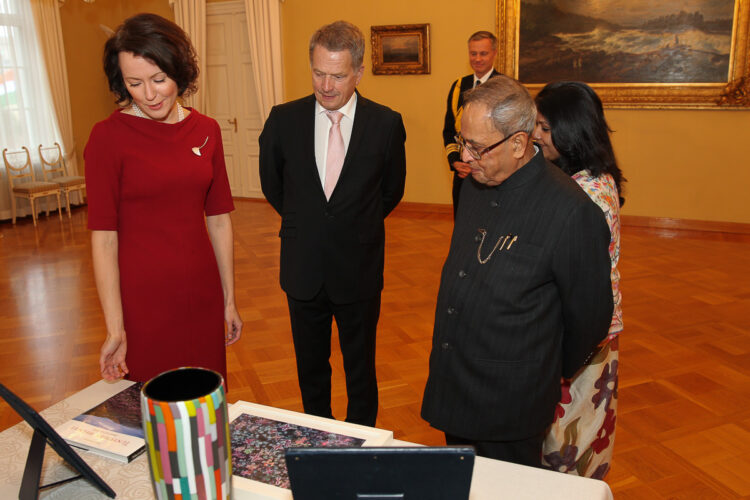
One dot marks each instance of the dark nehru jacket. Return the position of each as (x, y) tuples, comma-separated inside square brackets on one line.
[(506, 330)]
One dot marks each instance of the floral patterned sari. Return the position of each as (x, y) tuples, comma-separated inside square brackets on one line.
[(581, 438)]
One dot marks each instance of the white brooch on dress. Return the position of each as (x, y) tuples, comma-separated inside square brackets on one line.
[(197, 149)]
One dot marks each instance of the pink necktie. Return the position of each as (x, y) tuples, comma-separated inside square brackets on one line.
[(336, 153)]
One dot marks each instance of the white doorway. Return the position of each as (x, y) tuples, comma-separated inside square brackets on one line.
[(231, 98)]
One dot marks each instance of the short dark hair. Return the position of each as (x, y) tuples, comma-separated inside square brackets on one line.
[(579, 130), (338, 36), (484, 35), (160, 41)]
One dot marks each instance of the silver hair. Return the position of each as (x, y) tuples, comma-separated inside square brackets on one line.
[(338, 36), (511, 107)]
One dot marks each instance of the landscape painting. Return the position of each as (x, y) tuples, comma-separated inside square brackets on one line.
[(625, 41), (401, 49)]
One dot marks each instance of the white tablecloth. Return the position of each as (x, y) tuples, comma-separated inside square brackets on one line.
[(492, 479)]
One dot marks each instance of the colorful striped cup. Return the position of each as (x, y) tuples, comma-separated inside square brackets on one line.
[(186, 425)]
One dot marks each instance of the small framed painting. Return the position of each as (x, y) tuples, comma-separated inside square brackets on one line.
[(401, 49)]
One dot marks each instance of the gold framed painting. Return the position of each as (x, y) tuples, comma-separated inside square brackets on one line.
[(402, 49), (635, 54)]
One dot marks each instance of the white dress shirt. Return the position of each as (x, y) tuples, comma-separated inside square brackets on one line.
[(323, 125), (484, 78)]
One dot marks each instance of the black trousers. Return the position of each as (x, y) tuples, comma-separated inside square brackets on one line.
[(311, 331), (523, 452)]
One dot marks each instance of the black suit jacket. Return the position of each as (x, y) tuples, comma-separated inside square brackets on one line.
[(508, 329), (338, 243), (455, 103)]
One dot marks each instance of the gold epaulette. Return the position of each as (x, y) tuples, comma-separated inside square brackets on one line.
[(457, 112), (451, 148), (456, 95)]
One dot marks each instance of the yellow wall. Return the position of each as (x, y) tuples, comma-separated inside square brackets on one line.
[(680, 164), (684, 164), (90, 98), (419, 98)]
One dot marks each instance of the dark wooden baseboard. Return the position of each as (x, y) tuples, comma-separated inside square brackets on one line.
[(443, 210), (409, 208), (413, 209), (685, 224), (249, 200)]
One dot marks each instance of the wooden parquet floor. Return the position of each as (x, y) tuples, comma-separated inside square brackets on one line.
[(683, 429)]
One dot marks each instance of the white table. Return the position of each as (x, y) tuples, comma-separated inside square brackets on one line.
[(492, 479)]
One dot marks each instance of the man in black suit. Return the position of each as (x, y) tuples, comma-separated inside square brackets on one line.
[(482, 53), (525, 293), (333, 165)]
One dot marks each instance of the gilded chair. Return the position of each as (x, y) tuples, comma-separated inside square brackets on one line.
[(54, 170), (23, 184)]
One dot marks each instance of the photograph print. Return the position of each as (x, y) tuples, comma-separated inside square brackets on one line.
[(625, 41), (258, 446), (120, 413)]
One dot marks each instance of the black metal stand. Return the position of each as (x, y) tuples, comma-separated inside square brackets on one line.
[(43, 434), (33, 472)]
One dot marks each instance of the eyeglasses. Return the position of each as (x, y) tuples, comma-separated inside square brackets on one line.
[(477, 155)]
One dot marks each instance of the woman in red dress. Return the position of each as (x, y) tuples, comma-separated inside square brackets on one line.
[(159, 203)]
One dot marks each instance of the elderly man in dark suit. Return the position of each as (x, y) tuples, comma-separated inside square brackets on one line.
[(333, 165), (525, 293)]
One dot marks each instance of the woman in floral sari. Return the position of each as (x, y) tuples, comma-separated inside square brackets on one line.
[(573, 134)]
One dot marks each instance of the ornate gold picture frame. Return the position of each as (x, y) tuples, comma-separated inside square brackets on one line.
[(734, 93), (402, 49)]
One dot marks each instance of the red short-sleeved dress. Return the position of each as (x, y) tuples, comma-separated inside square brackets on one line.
[(145, 181)]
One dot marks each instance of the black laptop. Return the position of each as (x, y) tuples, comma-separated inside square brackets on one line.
[(380, 473)]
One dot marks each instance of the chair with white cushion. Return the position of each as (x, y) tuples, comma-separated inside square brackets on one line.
[(23, 184), (54, 170)]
